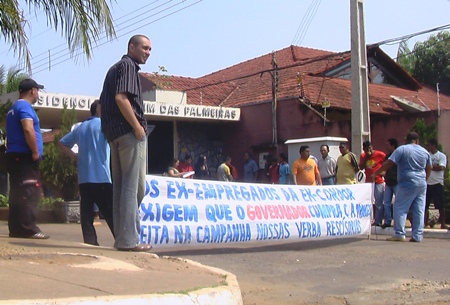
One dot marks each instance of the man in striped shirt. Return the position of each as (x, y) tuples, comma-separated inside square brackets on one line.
[(125, 128)]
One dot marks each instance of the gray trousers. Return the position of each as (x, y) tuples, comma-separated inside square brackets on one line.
[(128, 167)]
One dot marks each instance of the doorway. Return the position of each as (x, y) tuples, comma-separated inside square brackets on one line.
[(160, 147)]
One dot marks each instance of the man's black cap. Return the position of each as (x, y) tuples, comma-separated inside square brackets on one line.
[(28, 84)]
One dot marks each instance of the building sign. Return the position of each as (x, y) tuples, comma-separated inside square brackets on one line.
[(55, 100), (184, 212), (192, 111), (51, 100)]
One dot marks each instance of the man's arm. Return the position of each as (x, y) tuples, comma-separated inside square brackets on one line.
[(68, 151), (427, 171), (127, 111), (318, 178), (30, 137), (384, 167), (255, 171), (362, 161)]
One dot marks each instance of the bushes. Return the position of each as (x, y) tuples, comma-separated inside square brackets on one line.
[(44, 203), (4, 201)]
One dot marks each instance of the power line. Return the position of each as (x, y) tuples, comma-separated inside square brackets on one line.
[(306, 22), (153, 21), (409, 36), (45, 53)]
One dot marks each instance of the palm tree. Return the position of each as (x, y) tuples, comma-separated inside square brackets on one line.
[(82, 23), (10, 80)]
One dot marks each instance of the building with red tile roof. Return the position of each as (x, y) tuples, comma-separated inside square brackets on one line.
[(308, 81)]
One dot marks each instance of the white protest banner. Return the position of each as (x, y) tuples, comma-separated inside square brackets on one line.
[(182, 212)]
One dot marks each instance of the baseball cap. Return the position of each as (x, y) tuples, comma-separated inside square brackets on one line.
[(28, 84)]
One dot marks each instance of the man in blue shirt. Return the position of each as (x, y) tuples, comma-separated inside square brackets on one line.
[(24, 150), (250, 169), (94, 175), (414, 168)]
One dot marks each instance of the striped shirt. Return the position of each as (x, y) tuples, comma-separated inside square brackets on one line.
[(122, 77)]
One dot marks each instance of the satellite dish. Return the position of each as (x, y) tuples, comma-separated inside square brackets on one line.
[(409, 106)]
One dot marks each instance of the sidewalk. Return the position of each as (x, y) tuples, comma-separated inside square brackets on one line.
[(60, 272)]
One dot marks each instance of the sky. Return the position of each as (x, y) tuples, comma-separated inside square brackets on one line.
[(193, 38)]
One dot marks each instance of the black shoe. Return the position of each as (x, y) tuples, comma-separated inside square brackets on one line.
[(414, 240), (385, 225), (39, 235), (138, 248), (374, 224)]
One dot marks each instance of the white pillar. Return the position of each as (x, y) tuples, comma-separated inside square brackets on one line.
[(360, 93)]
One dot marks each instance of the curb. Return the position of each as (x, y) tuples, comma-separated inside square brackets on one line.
[(227, 294)]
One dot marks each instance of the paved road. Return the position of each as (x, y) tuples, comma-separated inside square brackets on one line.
[(341, 271)]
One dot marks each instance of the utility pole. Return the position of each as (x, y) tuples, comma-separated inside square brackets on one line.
[(274, 99), (360, 92)]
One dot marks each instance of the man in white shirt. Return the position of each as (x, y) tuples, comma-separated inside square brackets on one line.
[(435, 183), (327, 166)]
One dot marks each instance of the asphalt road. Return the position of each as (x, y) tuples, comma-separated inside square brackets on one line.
[(339, 271)]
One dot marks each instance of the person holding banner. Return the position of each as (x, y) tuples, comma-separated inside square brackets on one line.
[(414, 164), (370, 161), (346, 165), (305, 170)]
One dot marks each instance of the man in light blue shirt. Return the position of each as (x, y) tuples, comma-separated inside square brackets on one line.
[(414, 168), (94, 175), (250, 169)]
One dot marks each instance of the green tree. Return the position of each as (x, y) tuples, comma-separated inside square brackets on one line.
[(405, 57), (425, 131), (10, 80), (57, 169), (432, 61), (81, 23)]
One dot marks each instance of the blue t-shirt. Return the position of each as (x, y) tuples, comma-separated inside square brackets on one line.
[(411, 160), (21, 110), (93, 151), (250, 168), (284, 172)]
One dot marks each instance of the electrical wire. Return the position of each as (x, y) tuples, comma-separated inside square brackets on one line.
[(306, 22), (45, 54), (123, 34)]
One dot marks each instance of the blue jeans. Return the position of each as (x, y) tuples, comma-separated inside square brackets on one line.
[(407, 198), (389, 192), (128, 167), (378, 194), (328, 181)]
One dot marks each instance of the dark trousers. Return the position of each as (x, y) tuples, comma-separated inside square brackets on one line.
[(435, 193), (102, 195), (24, 194)]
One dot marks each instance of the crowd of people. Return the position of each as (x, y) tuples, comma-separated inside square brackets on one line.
[(111, 163), (420, 183)]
